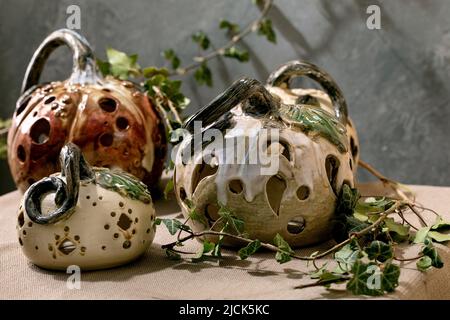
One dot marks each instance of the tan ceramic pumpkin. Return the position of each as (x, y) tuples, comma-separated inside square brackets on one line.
[(316, 151), (112, 121), (93, 218)]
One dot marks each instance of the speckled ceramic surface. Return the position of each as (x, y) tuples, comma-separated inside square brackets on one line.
[(90, 217), (112, 121), (317, 152)]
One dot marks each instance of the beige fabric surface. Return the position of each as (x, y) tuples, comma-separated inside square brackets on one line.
[(155, 277)]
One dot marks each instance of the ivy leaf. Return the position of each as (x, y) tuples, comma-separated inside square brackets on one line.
[(283, 255), (396, 227), (265, 29), (122, 66), (168, 189), (440, 224), (170, 88), (250, 249), (430, 251), (327, 278), (378, 250), (206, 248), (195, 216), (389, 279), (171, 56), (172, 225), (104, 67), (231, 223), (346, 257), (374, 205), (358, 284), (203, 75), (424, 263), (153, 71), (421, 235), (201, 39), (438, 236), (347, 200), (172, 255), (235, 53), (232, 28)]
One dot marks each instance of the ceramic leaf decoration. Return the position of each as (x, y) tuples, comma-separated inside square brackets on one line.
[(316, 150), (112, 121), (90, 217)]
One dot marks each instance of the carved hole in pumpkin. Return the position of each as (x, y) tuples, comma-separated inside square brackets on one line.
[(353, 148), (40, 131), (296, 225), (183, 194), (108, 104), (106, 90), (236, 186), (212, 212), (20, 219), (303, 192), (202, 171), (122, 123), (275, 187), (124, 222), (67, 246), (332, 169), (106, 139), (21, 154), (23, 105), (284, 145), (49, 100)]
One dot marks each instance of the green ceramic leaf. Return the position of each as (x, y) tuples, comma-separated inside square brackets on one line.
[(317, 121), (123, 183)]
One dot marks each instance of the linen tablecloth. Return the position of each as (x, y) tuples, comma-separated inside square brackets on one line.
[(154, 276)]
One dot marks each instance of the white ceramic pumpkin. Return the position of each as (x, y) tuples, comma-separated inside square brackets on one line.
[(90, 217), (316, 151)]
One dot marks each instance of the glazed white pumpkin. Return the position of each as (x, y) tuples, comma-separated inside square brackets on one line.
[(106, 227), (299, 200)]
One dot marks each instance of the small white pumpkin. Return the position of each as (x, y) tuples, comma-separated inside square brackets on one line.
[(90, 217), (317, 152)]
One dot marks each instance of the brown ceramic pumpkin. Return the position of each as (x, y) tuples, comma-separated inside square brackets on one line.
[(112, 121)]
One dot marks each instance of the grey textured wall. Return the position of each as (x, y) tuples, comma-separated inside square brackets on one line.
[(396, 80)]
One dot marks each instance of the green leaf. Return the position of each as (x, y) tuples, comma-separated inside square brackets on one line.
[(235, 53), (421, 235), (389, 280), (231, 223), (424, 263), (168, 189), (201, 39), (250, 249), (122, 66), (265, 29), (359, 283), (361, 216), (347, 200), (396, 227), (430, 251), (171, 56), (195, 216), (104, 67), (378, 250), (172, 255), (170, 88), (440, 224), (346, 257), (206, 248), (172, 225), (203, 75), (438, 236), (374, 205), (153, 71), (283, 255), (232, 28)]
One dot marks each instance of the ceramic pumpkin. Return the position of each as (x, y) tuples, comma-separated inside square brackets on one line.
[(90, 217), (316, 150), (112, 121)]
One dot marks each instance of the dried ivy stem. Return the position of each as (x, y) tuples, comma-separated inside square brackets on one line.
[(251, 27), (271, 247), (4, 131)]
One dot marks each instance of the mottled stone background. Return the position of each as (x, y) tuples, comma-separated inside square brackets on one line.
[(396, 80)]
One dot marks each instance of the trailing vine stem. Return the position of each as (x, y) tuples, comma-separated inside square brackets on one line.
[(192, 235), (250, 28)]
